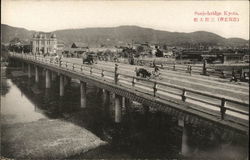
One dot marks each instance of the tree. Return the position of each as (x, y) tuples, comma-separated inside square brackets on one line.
[(15, 41), (27, 48), (15, 45), (165, 47), (4, 51), (139, 49)]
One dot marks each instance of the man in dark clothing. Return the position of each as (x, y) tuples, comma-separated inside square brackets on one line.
[(233, 78)]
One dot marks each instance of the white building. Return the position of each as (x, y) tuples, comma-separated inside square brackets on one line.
[(44, 43)]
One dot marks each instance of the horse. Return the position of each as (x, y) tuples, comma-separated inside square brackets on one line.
[(142, 72)]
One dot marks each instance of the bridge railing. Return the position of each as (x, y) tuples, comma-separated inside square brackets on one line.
[(159, 90), (194, 69), (163, 90)]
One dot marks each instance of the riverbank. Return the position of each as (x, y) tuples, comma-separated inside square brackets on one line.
[(46, 139)]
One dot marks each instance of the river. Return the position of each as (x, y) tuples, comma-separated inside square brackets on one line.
[(138, 136)]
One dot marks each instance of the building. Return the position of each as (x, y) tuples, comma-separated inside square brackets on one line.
[(142, 47), (60, 48), (44, 43), (233, 56), (80, 45), (104, 49), (191, 55), (77, 49)]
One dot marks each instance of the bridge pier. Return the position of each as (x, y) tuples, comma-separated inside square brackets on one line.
[(23, 67), (98, 91), (29, 70), (53, 76), (127, 105), (69, 80), (184, 140), (118, 108), (106, 103), (43, 71), (48, 79), (61, 85), (146, 114), (184, 146), (83, 89), (123, 103), (66, 80), (106, 99), (36, 74), (14, 63)]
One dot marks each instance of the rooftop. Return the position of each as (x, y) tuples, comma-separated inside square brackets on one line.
[(44, 35)]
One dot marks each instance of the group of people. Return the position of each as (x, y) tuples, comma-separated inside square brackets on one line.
[(56, 58)]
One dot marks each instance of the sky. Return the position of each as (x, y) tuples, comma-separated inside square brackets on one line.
[(173, 16)]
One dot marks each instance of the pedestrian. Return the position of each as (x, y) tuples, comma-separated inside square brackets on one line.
[(154, 63), (233, 78), (156, 68)]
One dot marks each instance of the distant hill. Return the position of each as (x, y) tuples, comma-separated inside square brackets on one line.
[(8, 33), (236, 41), (125, 34)]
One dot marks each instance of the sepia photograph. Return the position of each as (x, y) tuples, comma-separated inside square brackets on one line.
[(123, 79)]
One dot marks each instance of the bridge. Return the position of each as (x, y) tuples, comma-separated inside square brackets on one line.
[(187, 103)]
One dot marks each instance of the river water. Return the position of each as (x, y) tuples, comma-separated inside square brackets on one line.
[(138, 136)]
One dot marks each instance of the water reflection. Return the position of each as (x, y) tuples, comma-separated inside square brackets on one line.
[(16, 107), (4, 85)]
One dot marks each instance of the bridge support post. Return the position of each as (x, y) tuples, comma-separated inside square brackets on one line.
[(184, 146), (29, 71), (184, 139), (23, 67), (66, 80), (69, 80), (36, 74), (106, 103), (123, 102), (146, 114), (106, 99), (11, 62), (47, 79), (118, 108), (83, 89), (61, 85), (53, 76), (98, 91), (128, 103), (43, 72)]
